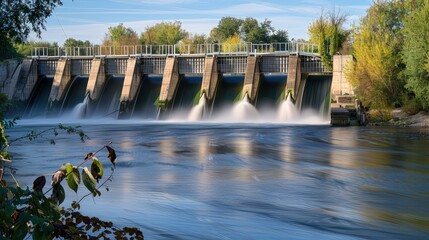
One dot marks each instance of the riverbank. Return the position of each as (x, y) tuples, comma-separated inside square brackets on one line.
[(402, 119)]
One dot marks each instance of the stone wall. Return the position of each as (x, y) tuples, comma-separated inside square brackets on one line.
[(9, 73)]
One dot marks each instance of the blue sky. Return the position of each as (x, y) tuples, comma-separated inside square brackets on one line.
[(90, 19)]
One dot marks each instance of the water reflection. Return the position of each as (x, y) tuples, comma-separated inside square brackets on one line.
[(212, 181)]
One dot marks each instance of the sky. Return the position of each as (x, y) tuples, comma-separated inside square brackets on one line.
[(90, 19)]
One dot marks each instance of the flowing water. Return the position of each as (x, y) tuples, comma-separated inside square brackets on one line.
[(179, 180)]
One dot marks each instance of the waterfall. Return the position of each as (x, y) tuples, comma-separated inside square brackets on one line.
[(198, 110), (288, 111), (244, 110), (79, 111)]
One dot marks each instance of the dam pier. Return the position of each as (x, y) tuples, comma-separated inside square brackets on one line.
[(151, 82)]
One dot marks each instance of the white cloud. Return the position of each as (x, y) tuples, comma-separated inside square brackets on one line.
[(154, 2)]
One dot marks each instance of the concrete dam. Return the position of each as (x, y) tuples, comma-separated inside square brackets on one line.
[(159, 86)]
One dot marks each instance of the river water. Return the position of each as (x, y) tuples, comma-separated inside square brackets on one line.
[(177, 180)]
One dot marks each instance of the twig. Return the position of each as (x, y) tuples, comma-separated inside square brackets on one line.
[(101, 185), (83, 162)]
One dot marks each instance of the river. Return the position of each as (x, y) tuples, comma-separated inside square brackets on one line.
[(178, 180)]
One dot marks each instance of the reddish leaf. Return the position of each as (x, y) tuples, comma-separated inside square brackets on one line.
[(88, 156), (111, 155), (39, 183)]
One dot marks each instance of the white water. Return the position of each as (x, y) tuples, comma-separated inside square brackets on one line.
[(197, 112), (244, 111), (79, 111), (288, 112)]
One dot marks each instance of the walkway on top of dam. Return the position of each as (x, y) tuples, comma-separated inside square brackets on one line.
[(241, 49)]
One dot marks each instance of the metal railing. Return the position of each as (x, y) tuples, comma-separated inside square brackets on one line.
[(302, 48)]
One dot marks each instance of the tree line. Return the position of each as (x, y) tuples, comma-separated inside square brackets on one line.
[(391, 51), (229, 30), (390, 46)]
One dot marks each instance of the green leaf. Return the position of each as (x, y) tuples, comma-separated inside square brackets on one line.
[(96, 169), (73, 179), (88, 180), (58, 193), (66, 167)]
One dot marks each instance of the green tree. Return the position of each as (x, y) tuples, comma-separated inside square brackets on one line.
[(24, 49), (375, 74), (120, 36), (415, 53), (227, 27), (279, 36), (254, 32), (165, 33), (18, 19), (71, 42), (328, 32)]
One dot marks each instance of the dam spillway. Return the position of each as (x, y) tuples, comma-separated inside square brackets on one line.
[(165, 86)]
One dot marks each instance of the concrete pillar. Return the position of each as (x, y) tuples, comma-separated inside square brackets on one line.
[(251, 78), (129, 90), (26, 81), (293, 76), (340, 84), (97, 79), (170, 80), (61, 81), (210, 77)]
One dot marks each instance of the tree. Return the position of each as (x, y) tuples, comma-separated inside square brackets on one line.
[(415, 53), (279, 36), (24, 49), (165, 33), (120, 36), (227, 27), (231, 44), (375, 74), (249, 30), (19, 18), (71, 42), (254, 32), (189, 44), (328, 32)]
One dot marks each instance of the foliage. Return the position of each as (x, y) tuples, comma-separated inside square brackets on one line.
[(4, 105), (412, 106), (120, 36), (165, 33), (191, 42), (231, 43), (71, 42), (380, 115), (24, 49), (25, 212), (226, 28), (415, 53), (376, 73), (249, 29), (328, 32), (18, 19)]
